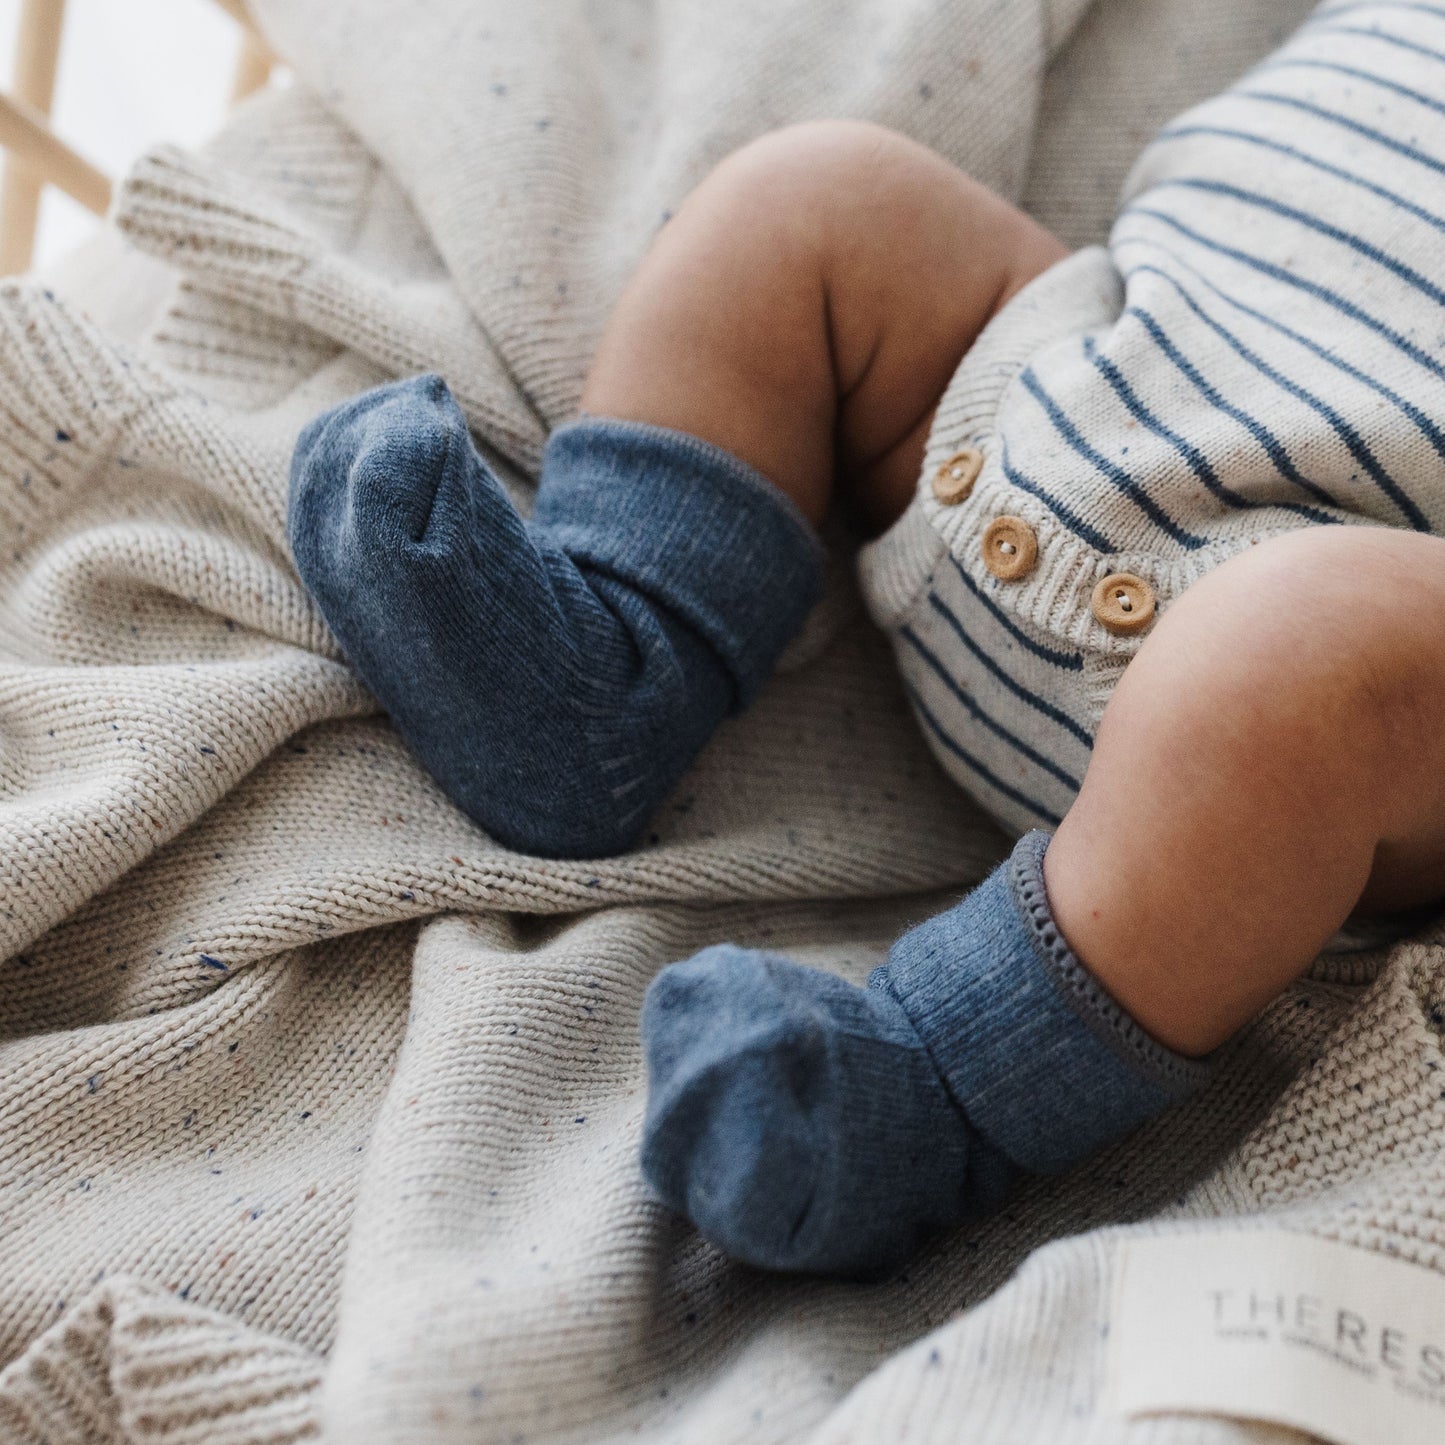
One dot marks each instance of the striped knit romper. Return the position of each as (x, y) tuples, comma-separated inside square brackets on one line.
[(1260, 347)]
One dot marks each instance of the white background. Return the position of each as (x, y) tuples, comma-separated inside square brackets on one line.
[(132, 73)]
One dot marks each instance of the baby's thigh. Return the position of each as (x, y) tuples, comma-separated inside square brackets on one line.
[(808, 303), (1308, 671), (1347, 621)]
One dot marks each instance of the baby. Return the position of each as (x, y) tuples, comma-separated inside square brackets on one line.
[(1169, 601)]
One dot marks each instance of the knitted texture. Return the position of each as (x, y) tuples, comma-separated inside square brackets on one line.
[(1042, 1062), (132, 1363), (558, 676), (804, 1124), (303, 1078), (798, 1121), (1243, 360)]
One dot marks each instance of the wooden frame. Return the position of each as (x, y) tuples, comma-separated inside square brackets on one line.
[(35, 156)]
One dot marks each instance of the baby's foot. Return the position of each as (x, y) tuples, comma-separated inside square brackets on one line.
[(557, 677), (805, 1124), (797, 1120)]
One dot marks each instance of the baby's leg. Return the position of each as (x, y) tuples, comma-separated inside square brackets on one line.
[(808, 304), (799, 316), (1272, 760)]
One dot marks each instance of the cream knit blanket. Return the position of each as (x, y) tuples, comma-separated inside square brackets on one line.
[(318, 1111)]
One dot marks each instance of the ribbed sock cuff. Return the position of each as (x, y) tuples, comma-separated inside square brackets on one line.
[(691, 526), (1043, 1062)]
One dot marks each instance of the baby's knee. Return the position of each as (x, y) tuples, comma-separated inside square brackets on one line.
[(1338, 604), (1319, 641), (816, 173), (852, 193)]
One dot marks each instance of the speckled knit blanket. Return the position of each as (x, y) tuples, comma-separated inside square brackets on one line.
[(318, 1110)]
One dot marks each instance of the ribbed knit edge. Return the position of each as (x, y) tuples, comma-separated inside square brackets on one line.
[(230, 233), (132, 1362), (1090, 1002), (1032, 1050), (706, 456), (894, 568), (1081, 291), (690, 525)]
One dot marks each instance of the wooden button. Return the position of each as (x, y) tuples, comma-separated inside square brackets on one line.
[(1124, 603), (1010, 548), (954, 480)]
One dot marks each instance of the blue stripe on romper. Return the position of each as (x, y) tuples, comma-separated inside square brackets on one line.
[(1069, 661), (978, 714), (1353, 72), (1115, 473), (1308, 219), (1339, 172), (1358, 447), (1017, 688), (1331, 298), (1427, 428), (1066, 514), (1198, 463), (981, 768), (1397, 40), (1349, 123), (1274, 448), (1356, 444), (1420, 7)]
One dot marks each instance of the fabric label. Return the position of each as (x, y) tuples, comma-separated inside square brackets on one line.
[(1341, 1342)]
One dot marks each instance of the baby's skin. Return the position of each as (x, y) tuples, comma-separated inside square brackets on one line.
[(1272, 760), (1271, 763)]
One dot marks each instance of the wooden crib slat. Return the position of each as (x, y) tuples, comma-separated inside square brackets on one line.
[(23, 132), (236, 9), (37, 56), (253, 66), (35, 156)]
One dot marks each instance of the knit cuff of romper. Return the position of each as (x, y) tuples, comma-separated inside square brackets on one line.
[(1037, 1056)]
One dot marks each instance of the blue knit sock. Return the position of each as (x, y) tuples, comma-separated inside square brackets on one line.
[(805, 1124), (556, 676), (797, 1120)]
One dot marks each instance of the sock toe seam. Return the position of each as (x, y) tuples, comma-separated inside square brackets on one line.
[(446, 461)]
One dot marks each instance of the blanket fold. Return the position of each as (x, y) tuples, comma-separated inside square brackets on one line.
[(318, 1109)]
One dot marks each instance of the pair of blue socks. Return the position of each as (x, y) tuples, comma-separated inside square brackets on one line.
[(558, 676)]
